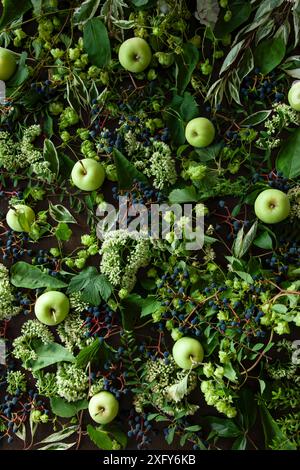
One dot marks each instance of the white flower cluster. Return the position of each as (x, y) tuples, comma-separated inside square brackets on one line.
[(23, 154), (7, 309), (76, 303), (161, 165), (23, 345), (72, 382), (72, 332), (121, 269), (294, 197), (282, 118)]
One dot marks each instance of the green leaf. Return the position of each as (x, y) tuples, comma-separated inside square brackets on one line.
[(85, 11), (268, 54), (256, 118), (232, 56), (264, 241), (272, 430), (13, 10), (92, 284), (177, 391), (64, 409), (248, 408), (31, 277), (116, 433), (170, 435), (240, 10), (288, 161), (96, 42), (229, 372), (245, 276), (209, 153), (50, 353), (61, 214), (50, 155), (89, 353), (223, 427), (126, 171), (100, 438), (149, 305), (20, 75), (58, 446), (187, 194), (240, 443), (185, 66), (63, 232), (60, 435), (243, 242), (181, 110)]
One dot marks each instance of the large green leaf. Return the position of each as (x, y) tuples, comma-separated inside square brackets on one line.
[(272, 431), (93, 285), (126, 171), (181, 110), (241, 10), (185, 65), (31, 277), (85, 11), (187, 194), (50, 155), (223, 427), (50, 353), (96, 42), (64, 409), (269, 53), (288, 161), (12, 10)]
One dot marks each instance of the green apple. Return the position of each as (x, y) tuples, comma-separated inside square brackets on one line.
[(272, 206), (200, 132), (187, 352), (52, 307), (20, 218), (103, 407), (8, 64), (88, 174), (135, 55), (294, 96)]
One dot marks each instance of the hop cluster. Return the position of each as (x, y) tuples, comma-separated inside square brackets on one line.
[(216, 394)]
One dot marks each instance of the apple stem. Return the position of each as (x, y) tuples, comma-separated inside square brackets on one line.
[(100, 411), (83, 167), (54, 315)]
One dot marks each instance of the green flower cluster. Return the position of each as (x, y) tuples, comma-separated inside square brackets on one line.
[(161, 165), (16, 380), (72, 382), (7, 309), (23, 346), (72, 332), (218, 395), (158, 379), (121, 270), (22, 154)]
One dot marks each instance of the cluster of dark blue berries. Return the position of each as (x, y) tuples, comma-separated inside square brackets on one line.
[(140, 428), (259, 87), (45, 90), (100, 321)]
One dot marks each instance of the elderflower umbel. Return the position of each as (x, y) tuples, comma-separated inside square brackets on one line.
[(72, 332), (72, 382), (23, 345), (122, 271), (7, 309)]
